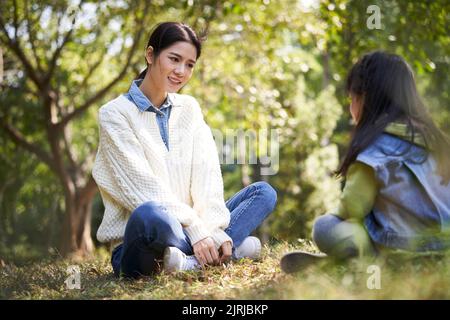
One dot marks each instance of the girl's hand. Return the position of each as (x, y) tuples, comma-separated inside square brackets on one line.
[(205, 251), (225, 251)]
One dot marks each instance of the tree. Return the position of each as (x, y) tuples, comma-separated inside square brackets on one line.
[(416, 30), (60, 48)]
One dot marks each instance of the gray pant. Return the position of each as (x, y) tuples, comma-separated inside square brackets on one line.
[(341, 238)]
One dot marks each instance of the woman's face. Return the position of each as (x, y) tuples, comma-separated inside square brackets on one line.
[(173, 68), (356, 106)]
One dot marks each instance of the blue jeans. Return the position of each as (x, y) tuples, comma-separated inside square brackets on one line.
[(150, 229), (341, 238)]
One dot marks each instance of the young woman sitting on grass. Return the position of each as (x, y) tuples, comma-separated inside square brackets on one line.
[(158, 172)]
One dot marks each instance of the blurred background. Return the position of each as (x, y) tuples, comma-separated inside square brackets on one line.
[(265, 65)]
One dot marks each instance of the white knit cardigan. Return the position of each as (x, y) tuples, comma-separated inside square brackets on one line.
[(133, 166)]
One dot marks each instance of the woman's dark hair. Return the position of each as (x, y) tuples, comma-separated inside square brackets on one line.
[(166, 34), (386, 84)]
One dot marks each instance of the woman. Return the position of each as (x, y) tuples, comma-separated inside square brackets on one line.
[(158, 172)]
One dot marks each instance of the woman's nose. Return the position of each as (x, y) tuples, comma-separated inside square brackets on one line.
[(179, 69)]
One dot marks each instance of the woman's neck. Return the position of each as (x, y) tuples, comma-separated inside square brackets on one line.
[(152, 92)]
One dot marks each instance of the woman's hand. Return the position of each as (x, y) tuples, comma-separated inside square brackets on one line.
[(225, 251), (205, 251)]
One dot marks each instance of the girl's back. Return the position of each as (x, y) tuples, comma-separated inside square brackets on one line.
[(413, 205)]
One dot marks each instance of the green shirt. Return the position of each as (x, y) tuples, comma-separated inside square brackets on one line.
[(361, 189)]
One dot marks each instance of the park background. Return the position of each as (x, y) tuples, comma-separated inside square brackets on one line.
[(265, 65)]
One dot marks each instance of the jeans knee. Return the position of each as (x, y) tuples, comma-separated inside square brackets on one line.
[(148, 214), (341, 238), (153, 223), (268, 192), (322, 224), (322, 231)]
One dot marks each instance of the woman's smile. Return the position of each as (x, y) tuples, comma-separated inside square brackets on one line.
[(174, 81)]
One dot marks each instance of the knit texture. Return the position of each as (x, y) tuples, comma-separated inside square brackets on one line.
[(133, 166)]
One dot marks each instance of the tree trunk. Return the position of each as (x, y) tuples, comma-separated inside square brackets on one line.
[(76, 237), (1, 65)]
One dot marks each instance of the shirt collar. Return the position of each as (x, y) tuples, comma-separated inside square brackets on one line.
[(142, 102)]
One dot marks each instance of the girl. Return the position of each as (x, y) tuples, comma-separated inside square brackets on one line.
[(158, 172), (397, 169)]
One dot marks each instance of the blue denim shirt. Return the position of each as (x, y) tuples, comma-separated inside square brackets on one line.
[(136, 96), (412, 208)]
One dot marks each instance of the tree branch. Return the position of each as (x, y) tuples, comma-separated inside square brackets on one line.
[(58, 50), (31, 36), (69, 152), (88, 191), (92, 70), (15, 21), (21, 141), (122, 73), (15, 47), (1, 65), (88, 162)]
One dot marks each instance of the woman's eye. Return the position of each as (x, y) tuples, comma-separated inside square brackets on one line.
[(174, 59), (190, 65)]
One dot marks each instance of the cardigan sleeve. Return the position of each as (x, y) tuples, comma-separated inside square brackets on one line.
[(129, 179), (207, 183), (360, 192)]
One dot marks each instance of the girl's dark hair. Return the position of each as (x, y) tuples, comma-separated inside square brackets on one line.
[(167, 33), (386, 84)]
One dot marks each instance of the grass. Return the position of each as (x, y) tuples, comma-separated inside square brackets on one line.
[(403, 276)]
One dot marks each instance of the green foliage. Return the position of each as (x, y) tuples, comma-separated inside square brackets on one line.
[(418, 31)]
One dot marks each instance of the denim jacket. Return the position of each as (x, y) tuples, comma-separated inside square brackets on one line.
[(412, 208)]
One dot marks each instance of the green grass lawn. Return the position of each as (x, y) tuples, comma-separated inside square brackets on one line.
[(403, 276)]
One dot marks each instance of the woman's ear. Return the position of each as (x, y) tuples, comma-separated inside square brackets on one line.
[(149, 55)]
